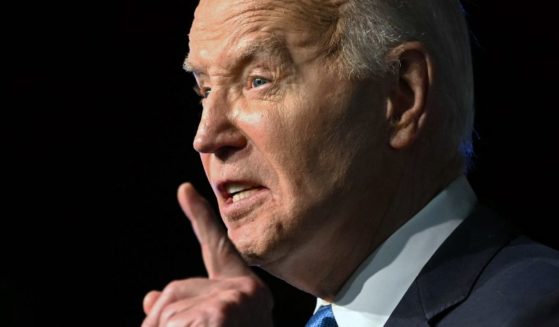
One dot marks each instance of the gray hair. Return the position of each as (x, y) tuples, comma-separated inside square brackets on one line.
[(369, 29)]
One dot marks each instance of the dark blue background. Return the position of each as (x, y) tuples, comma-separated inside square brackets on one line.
[(97, 136)]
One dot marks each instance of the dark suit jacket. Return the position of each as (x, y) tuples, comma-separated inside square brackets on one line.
[(484, 274)]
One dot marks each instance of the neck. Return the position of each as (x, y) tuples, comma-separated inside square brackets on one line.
[(324, 264)]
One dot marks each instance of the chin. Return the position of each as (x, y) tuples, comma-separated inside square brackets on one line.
[(252, 252), (256, 247)]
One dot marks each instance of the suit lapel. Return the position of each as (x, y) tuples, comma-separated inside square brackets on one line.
[(448, 277)]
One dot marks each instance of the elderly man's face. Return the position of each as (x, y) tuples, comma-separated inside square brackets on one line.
[(290, 148)]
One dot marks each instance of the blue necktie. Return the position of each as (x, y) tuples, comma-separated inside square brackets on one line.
[(323, 317)]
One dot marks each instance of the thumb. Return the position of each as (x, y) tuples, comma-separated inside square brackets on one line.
[(220, 256)]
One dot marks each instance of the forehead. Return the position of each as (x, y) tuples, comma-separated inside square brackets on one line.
[(228, 26), (212, 15)]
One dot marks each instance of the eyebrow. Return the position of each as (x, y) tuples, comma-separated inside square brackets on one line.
[(271, 46)]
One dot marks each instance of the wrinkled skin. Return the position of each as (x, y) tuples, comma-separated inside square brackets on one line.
[(300, 160), (276, 119)]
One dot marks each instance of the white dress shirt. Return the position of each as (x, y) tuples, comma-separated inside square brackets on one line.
[(377, 286)]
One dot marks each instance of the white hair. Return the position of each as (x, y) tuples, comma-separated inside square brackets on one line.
[(369, 29)]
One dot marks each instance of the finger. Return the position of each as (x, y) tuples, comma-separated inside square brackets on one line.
[(192, 317), (149, 301), (175, 308), (205, 312), (220, 256), (220, 309), (175, 291), (170, 311)]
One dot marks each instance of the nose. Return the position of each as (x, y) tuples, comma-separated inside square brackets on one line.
[(218, 132)]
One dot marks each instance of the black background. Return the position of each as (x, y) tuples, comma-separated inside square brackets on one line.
[(97, 133)]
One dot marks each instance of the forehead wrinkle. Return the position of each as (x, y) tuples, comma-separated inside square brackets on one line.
[(242, 21), (270, 46), (320, 14), (245, 17)]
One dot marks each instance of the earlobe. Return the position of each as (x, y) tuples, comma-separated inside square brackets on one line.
[(407, 100)]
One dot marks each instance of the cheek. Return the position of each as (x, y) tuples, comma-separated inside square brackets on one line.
[(251, 119), (292, 145), (287, 141), (268, 130), (205, 158), (308, 131)]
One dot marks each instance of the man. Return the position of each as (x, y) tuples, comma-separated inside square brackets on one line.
[(335, 134)]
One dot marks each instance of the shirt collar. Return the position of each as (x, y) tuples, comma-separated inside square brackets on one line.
[(377, 286)]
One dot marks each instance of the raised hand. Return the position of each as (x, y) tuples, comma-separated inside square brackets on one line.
[(231, 295)]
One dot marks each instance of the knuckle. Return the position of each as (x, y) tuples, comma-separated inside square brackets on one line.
[(169, 290), (255, 287), (233, 297), (177, 322), (222, 305), (172, 287), (167, 313), (217, 315), (249, 284)]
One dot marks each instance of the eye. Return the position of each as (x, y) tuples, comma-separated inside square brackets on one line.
[(258, 82)]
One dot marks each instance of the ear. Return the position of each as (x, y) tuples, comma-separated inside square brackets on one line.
[(407, 98)]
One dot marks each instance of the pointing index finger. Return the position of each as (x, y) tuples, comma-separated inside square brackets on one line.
[(220, 256)]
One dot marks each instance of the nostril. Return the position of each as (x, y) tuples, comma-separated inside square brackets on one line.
[(221, 144), (226, 152)]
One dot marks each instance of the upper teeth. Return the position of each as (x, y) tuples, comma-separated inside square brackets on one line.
[(243, 194), (236, 188)]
